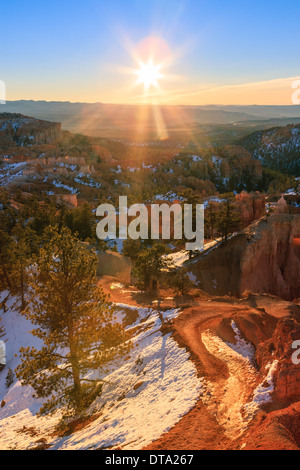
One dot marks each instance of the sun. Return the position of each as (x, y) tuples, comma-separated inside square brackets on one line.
[(149, 74)]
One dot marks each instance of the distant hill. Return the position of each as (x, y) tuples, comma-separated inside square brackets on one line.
[(277, 148), (139, 123)]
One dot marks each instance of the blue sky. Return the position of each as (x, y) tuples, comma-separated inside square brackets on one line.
[(78, 50)]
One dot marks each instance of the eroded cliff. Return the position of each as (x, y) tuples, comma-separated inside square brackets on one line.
[(263, 258)]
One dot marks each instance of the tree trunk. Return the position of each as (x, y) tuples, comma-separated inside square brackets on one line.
[(73, 358)]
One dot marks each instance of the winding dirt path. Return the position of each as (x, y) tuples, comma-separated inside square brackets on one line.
[(228, 379), (220, 417), (230, 394)]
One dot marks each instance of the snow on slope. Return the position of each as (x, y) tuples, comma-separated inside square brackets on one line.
[(149, 392), (178, 258)]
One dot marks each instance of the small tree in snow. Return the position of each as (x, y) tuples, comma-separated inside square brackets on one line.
[(75, 321)]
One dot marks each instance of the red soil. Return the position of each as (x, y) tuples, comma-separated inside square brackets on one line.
[(215, 422)]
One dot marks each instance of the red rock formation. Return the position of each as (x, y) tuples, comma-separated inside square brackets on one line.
[(262, 258), (69, 200), (279, 430), (287, 375), (270, 262), (293, 203), (251, 206)]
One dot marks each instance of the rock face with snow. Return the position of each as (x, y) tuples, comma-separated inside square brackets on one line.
[(277, 148), (264, 258), (273, 339), (16, 129)]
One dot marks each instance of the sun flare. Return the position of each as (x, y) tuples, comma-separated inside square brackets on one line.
[(149, 74)]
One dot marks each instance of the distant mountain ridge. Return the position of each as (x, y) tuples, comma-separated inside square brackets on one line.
[(117, 119)]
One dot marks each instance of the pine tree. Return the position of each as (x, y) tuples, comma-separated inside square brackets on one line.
[(9, 378), (150, 263), (181, 282), (210, 220), (84, 221), (75, 321), (192, 198), (131, 248), (20, 253), (5, 260), (228, 218)]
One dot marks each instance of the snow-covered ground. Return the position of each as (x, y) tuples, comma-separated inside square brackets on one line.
[(149, 391), (59, 184), (10, 172), (87, 180), (178, 258)]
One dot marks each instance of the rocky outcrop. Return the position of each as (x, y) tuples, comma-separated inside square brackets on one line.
[(263, 258), (114, 264), (68, 200), (270, 261), (293, 203), (287, 375), (251, 206), (279, 430), (16, 129)]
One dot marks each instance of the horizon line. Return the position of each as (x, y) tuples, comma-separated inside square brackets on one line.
[(149, 104)]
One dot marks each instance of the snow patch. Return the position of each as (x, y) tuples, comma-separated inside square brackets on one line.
[(145, 394)]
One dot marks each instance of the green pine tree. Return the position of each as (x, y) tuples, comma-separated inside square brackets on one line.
[(75, 321), (228, 218), (150, 264), (181, 282), (9, 378), (21, 254), (5, 260)]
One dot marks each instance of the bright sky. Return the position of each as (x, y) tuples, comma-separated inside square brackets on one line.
[(163, 51)]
